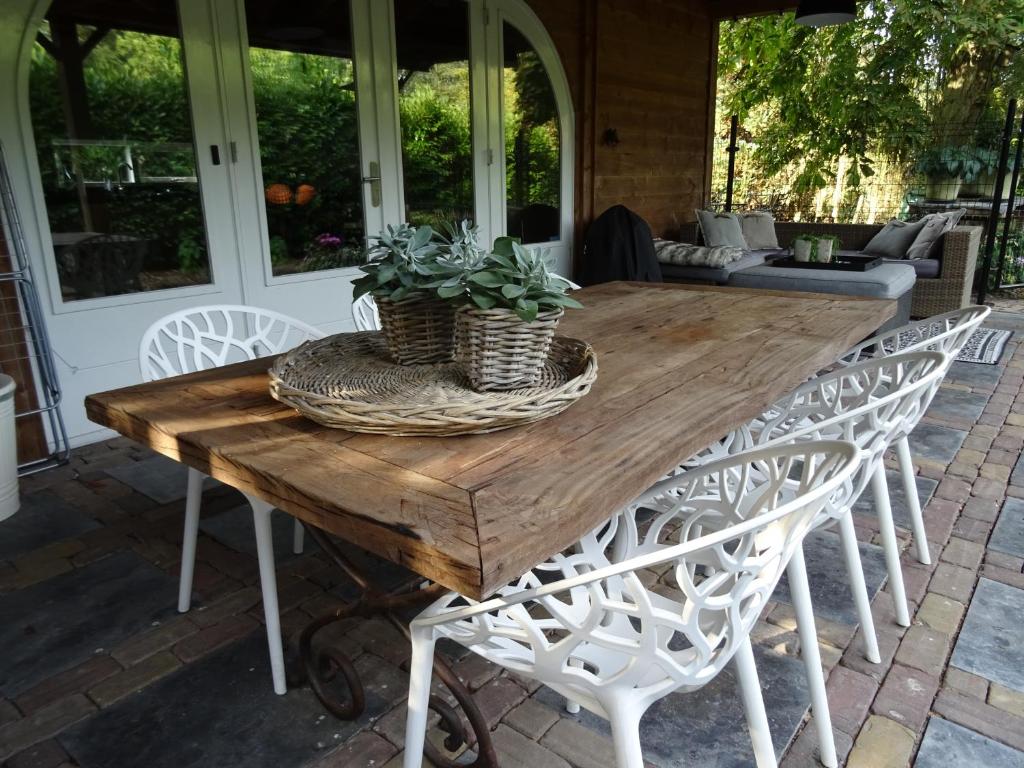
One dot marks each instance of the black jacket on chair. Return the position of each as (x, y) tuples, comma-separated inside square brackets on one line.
[(619, 246)]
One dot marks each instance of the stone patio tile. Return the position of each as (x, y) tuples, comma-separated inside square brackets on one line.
[(956, 405), (975, 375), (865, 506), (222, 711), (44, 518), (234, 529), (1008, 535), (707, 727), (60, 623), (930, 441), (989, 643), (1017, 476), (158, 477), (826, 574), (947, 744)]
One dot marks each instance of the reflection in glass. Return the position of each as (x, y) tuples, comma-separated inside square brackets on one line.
[(110, 114), (433, 101), (532, 148), (304, 91)]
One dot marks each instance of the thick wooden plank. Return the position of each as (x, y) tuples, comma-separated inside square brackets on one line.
[(679, 367)]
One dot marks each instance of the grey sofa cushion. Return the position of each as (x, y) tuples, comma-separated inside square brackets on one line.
[(717, 275), (721, 229), (887, 281), (759, 230), (895, 239), (924, 268)]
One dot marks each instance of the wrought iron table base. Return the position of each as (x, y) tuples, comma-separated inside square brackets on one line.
[(321, 666)]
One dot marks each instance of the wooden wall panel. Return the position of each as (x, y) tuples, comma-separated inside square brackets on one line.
[(643, 68)]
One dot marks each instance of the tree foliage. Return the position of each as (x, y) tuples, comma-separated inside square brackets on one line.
[(900, 78)]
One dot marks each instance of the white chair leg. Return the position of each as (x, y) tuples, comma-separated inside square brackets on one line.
[(298, 538), (799, 589), (261, 512), (193, 500), (573, 707), (420, 671), (753, 705), (887, 530), (625, 722), (913, 500), (855, 577)]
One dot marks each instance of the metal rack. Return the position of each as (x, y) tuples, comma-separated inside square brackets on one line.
[(26, 341)]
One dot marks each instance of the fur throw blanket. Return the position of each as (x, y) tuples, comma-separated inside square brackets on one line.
[(686, 255)]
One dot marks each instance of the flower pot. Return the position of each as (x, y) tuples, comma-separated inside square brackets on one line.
[(985, 186), (802, 250), (419, 329), (943, 188), (498, 350), (824, 251)]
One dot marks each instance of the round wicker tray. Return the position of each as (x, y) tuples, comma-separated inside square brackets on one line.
[(347, 381)]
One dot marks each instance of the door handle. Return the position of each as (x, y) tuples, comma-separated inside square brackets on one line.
[(374, 181)]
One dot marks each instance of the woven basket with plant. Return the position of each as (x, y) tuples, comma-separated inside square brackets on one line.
[(418, 326), (511, 307)]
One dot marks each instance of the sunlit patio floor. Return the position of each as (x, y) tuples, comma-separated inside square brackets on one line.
[(98, 670)]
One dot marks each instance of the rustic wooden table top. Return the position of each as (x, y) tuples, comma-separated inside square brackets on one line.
[(679, 367)]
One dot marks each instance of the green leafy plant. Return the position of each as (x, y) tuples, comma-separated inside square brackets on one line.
[(191, 256), (517, 278), (947, 162), (401, 260), (278, 250)]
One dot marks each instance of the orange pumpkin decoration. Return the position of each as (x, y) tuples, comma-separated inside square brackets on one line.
[(278, 194), (304, 193)]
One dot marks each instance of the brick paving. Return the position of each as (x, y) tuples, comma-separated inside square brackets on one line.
[(881, 713)]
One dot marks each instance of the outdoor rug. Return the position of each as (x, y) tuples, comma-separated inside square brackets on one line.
[(986, 346)]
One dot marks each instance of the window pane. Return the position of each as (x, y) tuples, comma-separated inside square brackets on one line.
[(433, 102), (532, 147), (112, 126), (304, 91)]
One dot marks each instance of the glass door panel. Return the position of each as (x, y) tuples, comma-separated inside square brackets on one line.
[(111, 116), (432, 41), (304, 94), (532, 141)]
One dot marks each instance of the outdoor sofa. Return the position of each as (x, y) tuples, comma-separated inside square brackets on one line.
[(941, 285)]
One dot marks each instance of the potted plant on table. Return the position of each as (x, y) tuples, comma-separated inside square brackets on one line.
[(509, 305), (418, 326), (804, 247), (827, 247)]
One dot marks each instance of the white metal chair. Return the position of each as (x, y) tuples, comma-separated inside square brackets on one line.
[(208, 337), (947, 333), (366, 317), (592, 631), (865, 404)]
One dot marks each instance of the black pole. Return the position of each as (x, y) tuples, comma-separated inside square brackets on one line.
[(1011, 200), (993, 215), (734, 124)]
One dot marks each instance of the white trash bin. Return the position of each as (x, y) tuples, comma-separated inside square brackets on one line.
[(9, 499)]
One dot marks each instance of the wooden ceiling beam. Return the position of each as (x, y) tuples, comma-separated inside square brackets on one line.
[(733, 9)]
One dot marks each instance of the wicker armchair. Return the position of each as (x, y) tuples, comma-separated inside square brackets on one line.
[(932, 296), (952, 288)]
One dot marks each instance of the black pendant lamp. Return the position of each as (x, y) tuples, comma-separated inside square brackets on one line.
[(822, 13)]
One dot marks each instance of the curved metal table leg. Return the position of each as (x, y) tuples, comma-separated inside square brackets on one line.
[(323, 665)]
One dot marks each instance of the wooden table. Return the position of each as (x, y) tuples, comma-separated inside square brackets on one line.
[(679, 367)]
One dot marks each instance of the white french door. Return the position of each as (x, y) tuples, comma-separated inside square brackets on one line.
[(305, 204)]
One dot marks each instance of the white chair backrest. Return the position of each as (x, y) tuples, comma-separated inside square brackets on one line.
[(947, 333), (592, 629), (364, 313), (366, 317), (207, 337), (870, 403)]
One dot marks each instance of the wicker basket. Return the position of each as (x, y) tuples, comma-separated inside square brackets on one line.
[(499, 351), (418, 329)]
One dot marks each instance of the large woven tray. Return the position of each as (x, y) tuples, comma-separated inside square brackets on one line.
[(347, 381)]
